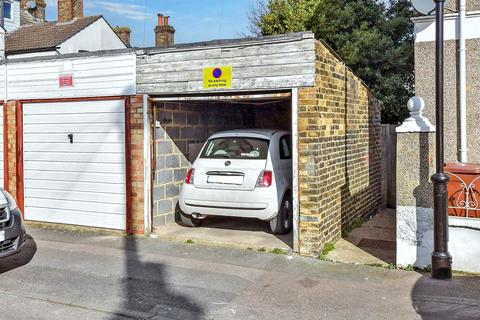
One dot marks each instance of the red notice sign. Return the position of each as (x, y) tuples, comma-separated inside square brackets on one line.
[(65, 81)]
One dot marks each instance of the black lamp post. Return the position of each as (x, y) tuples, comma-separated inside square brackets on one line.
[(441, 258)]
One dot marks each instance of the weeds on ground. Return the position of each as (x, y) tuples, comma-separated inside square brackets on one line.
[(190, 241), (263, 249), (249, 248), (279, 251), (326, 250), (356, 224)]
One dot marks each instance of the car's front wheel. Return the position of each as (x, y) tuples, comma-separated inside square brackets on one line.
[(282, 223), (189, 221)]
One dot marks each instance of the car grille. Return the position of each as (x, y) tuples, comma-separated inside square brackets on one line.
[(7, 245), (3, 213)]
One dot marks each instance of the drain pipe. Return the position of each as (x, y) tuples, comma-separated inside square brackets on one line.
[(463, 149)]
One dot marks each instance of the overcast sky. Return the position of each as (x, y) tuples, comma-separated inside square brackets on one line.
[(194, 20)]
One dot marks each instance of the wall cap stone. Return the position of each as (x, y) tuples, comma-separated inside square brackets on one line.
[(417, 122)]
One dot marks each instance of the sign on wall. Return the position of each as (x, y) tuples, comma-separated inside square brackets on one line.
[(65, 80), (217, 77)]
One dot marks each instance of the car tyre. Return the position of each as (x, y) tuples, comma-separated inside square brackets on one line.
[(282, 223), (189, 221)]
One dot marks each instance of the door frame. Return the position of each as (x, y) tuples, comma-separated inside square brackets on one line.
[(20, 196)]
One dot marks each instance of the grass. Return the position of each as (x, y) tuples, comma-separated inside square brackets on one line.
[(190, 241), (326, 250), (263, 249)]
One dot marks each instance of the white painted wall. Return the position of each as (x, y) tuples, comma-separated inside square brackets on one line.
[(106, 75), (425, 27), (96, 37), (14, 23), (415, 239)]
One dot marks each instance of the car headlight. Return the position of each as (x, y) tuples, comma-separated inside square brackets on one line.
[(12, 205)]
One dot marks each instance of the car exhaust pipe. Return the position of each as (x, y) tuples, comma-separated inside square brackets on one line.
[(198, 216)]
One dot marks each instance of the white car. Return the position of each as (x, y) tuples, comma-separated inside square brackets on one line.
[(241, 173)]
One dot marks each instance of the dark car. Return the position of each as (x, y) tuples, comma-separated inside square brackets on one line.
[(12, 227)]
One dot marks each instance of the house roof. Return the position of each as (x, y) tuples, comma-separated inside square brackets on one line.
[(45, 36)]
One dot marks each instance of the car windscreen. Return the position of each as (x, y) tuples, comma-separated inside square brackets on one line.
[(236, 148)]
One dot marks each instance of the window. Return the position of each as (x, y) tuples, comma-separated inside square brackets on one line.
[(285, 152), (7, 10), (236, 148)]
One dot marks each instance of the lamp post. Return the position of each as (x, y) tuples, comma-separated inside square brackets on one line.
[(441, 258)]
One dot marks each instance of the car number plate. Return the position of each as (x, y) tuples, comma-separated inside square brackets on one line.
[(2, 235), (225, 179)]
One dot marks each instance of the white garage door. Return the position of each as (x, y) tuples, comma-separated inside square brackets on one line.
[(74, 163)]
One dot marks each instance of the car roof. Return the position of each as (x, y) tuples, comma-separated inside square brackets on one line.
[(254, 133)]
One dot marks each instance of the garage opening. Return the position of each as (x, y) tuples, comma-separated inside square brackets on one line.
[(182, 125)]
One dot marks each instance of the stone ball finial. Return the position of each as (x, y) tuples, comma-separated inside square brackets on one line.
[(417, 122), (416, 104)]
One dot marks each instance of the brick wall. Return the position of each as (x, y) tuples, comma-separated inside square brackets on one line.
[(339, 153), (12, 148), (184, 124), (137, 163)]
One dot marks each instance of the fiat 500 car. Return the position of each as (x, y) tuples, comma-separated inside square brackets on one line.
[(242, 173)]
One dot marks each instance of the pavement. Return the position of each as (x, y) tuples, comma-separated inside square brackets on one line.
[(81, 275), (374, 242), (228, 232)]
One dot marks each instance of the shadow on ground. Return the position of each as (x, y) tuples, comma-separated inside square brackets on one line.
[(447, 299), (147, 292), (245, 224), (20, 259)]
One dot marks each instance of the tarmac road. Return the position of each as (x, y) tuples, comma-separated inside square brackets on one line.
[(68, 275)]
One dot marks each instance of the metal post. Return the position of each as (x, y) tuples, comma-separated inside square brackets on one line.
[(441, 259)]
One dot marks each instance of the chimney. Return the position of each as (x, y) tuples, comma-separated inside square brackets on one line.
[(38, 12), (69, 10), (164, 32), (124, 34)]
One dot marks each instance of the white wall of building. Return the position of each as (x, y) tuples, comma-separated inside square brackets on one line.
[(14, 23), (425, 27), (96, 37), (415, 239)]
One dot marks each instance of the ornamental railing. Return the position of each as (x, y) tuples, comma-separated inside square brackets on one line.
[(464, 196)]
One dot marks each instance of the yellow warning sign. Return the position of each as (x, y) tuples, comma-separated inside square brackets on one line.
[(217, 77)]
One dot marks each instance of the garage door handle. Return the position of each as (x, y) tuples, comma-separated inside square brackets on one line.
[(70, 137)]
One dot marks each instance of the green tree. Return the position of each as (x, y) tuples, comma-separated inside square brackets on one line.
[(374, 39)]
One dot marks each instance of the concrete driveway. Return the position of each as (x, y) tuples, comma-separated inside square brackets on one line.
[(66, 275)]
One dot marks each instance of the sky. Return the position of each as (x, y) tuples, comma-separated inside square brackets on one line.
[(193, 20)]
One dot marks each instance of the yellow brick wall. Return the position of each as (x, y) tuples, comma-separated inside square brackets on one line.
[(339, 153)]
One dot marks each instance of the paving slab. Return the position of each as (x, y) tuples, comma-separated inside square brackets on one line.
[(232, 232)]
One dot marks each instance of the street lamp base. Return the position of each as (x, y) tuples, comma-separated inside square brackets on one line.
[(441, 265)]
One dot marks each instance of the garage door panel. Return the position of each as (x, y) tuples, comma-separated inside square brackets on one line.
[(78, 196), (75, 157), (76, 147), (61, 176), (69, 128), (83, 182), (55, 166), (109, 137), (104, 188), (63, 204), (88, 107), (74, 119), (97, 219)]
